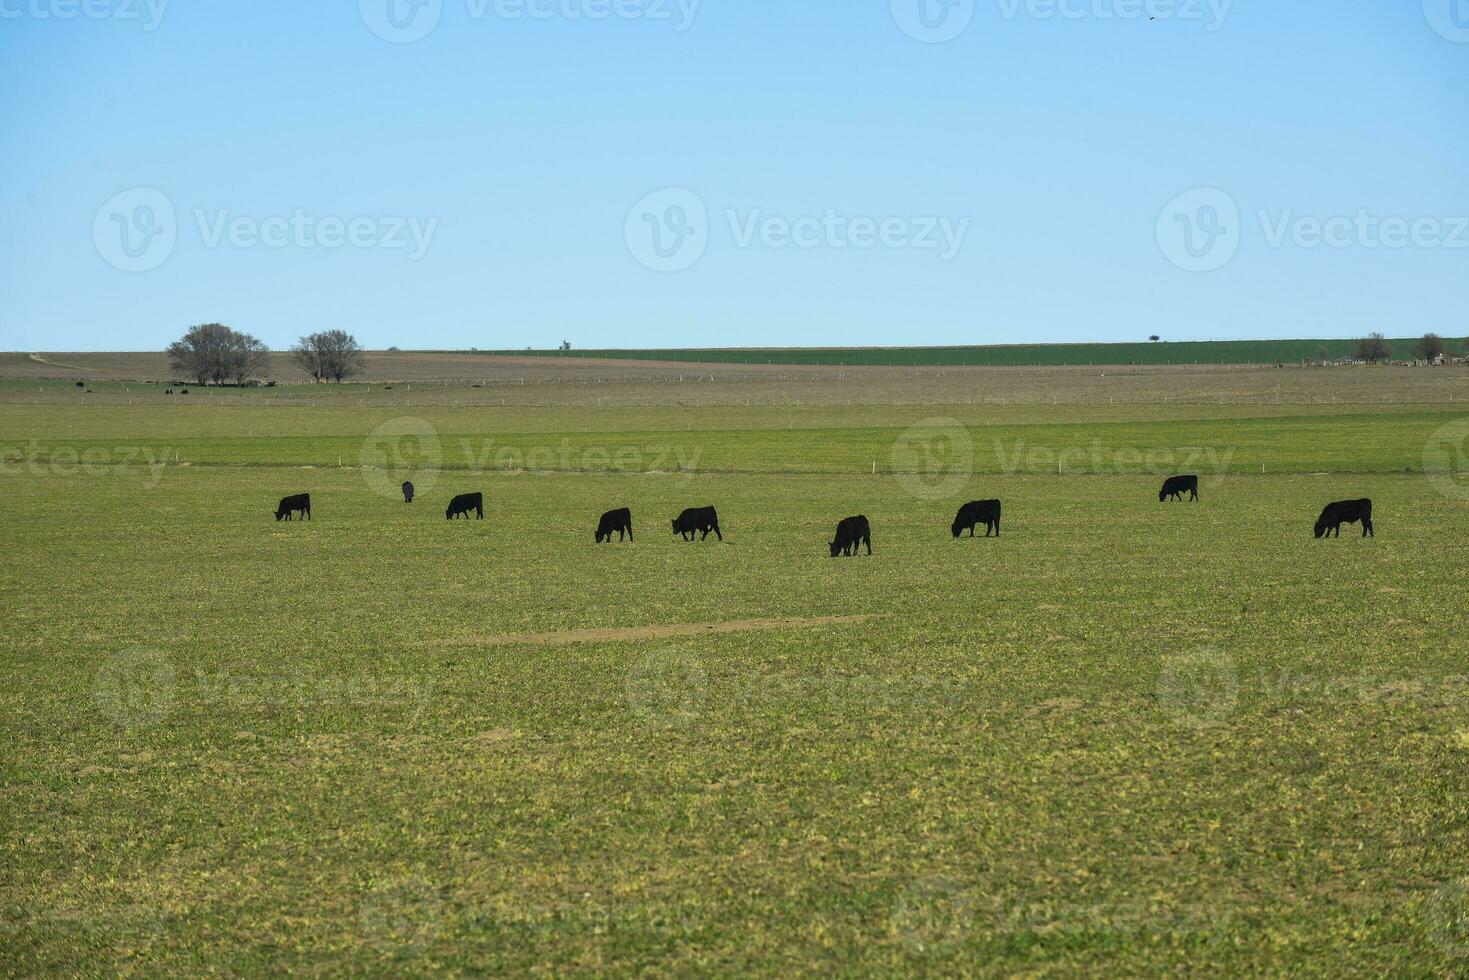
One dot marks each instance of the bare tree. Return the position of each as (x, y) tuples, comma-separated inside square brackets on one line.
[(248, 357), (1374, 349), (212, 352), (329, 355), (1430, 348)]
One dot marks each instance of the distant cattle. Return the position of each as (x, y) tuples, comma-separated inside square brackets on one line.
[(618, 522), (1345, 512), (461, 505), (297, 504), (1177, 486), (986, 512), (407, 493), (695, 520), (851, 534)]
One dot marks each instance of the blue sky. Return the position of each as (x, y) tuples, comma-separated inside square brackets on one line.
[(681, 173)]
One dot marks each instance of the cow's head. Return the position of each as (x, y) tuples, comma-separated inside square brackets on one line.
[(958, 529), (280, 514), (1162, 495), (1320, 528), (836, 549), (675, 526)]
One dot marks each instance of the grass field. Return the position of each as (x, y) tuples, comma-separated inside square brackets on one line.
[(1124, 738)]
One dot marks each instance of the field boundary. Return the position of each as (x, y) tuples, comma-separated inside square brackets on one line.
[(1118, 354)]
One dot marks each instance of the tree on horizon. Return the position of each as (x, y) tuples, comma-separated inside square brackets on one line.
[(328, 355), (214, 353)]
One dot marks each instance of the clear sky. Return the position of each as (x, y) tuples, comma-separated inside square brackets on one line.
[(509, 173)]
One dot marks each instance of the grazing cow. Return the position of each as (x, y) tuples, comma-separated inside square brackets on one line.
[(1345, 512), (1177, 486), (617, 522), (407, 493), (461, 505), (697, 519), (298, 503), (852, 532), (986, 512)]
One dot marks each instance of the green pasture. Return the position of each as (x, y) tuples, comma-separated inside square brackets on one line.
[(1124, 738), (1084, 440)]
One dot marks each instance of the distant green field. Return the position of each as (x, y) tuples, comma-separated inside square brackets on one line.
[(1008, 355), (1125, 738), (872, 440)]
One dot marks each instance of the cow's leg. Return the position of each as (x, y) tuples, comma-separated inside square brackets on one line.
[(868, 539), (717, 534), (1367, 530)]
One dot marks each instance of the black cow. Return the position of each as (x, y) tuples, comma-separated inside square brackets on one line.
[(1177, 486), (697, 519), (986, 512), (1345, 512), (461, 505), (298, 503), (852, 532), (408, 492), (618, 522)]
